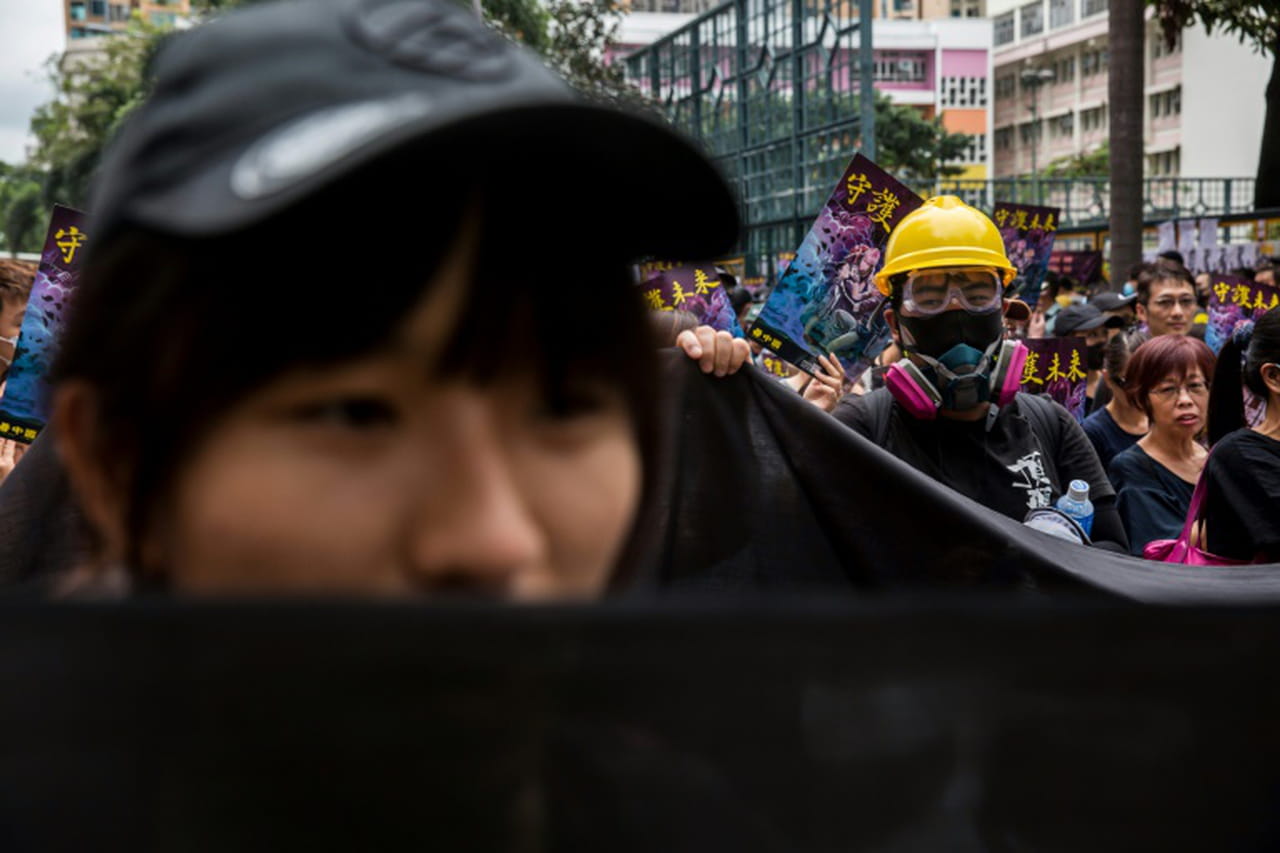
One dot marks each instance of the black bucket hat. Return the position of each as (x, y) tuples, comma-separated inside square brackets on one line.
[(256, 111)]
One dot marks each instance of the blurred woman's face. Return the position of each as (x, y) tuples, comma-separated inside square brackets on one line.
[(1180, 403), (373, 478)]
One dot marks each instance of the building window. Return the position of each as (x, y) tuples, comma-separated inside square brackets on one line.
[(1064, 70), (1165, 104), (1061, 13), (1092, 7), (973, 10), (898, 68), (1093, 62), (976, 151), (1094, 119), (77, 32), (1006, 86), (1003, 139), (1030, 131), (1063, 126), (77, 11), (119, 12), (1165, 163), (1032, 19), (98, 8), (964, 91), (1004, 29)]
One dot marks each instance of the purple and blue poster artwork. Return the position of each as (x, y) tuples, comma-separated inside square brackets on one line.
[(1028, 232), (1233, 301), (696, 288), (826, 300), (1056, 368), (24, 409)]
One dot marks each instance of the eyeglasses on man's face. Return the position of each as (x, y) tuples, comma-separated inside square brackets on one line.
[(1168, 303)]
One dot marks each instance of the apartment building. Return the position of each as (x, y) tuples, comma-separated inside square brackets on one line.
[(942, 67), (1051, 71), (88, 18)]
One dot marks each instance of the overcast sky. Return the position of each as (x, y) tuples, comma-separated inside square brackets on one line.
[(32, 32)]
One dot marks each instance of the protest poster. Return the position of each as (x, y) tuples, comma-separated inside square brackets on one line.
[(1055, 367), (774, 366), (1028, 231), (1166, 237), (24, 408), (1084, 266), (1232, 301), (696, 288), (827, 301)]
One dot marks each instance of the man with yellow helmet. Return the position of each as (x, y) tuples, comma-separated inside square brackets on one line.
[(951, 407)]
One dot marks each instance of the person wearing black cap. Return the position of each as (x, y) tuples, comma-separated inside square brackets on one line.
[(1087, 322), (1116, 305), (238, 414)]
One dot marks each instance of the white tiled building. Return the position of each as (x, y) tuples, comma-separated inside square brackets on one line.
[(1204, 99)]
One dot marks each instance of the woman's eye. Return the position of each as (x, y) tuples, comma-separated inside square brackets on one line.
[(350, 412), (575, 399)]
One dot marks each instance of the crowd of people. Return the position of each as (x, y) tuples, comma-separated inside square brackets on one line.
[(1148, 397), (234, 415)]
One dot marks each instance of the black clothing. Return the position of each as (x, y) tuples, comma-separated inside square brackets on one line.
[(1242, 497), (1153, 500), (1107, 437), (1007, 467), (40, 525)]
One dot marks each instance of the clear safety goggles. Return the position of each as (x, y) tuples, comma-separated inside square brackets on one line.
[(931, 291)]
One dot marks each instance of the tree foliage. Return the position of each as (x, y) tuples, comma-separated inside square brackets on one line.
[(92, 100), (1088, 164), (22, 209), (912, 147)]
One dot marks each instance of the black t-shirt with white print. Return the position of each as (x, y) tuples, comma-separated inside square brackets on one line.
[(1003, 467)]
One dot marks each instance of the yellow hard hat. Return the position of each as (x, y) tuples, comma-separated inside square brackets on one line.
[(943, 232)]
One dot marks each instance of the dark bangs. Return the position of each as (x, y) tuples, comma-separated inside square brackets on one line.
[(172, 333)]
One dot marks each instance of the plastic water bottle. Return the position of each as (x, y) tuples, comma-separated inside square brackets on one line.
[(1076, 504)]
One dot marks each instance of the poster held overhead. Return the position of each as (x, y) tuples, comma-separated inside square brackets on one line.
[(826, 300), (1028, 231), (24, 408), (673, 286)]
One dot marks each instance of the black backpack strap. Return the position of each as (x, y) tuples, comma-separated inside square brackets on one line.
[(880, 407)]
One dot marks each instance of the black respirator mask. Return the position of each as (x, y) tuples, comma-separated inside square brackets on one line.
[(959, 350)]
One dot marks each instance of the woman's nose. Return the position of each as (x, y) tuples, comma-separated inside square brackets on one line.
[(472, 529)]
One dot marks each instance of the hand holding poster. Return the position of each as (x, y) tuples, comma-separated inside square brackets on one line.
[(827, 301), (24, 406), (697, 289), (1232, 301), (1028, 232), (1056, 367)]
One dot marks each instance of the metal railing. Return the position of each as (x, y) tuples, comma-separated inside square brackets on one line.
[(780, 93)]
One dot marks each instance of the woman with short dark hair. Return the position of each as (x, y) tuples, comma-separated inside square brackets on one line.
[(1167, 379)]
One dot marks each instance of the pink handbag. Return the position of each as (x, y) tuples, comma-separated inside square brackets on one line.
[(1181, 550)]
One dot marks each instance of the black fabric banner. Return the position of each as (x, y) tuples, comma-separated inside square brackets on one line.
[(766, 492), (894, 725)]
